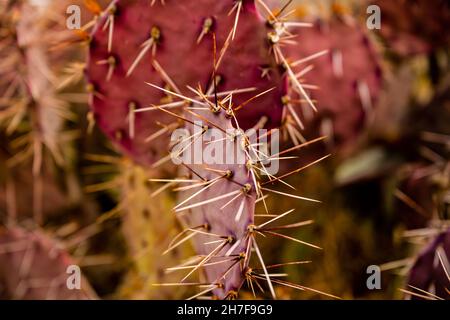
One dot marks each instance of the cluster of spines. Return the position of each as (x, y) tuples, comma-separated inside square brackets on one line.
[(232, 106), (423, 198), (264, 65), (32, 114), (348, 79), (217, 204)]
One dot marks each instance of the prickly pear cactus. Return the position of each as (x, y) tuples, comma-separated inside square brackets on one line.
[(323, 9), (16, 195), (34, 267), (221, 210), (148, 225), (230, 74), (224, 175), (346, 80), (136, 42), (32, 113), (140, 204), (31, 96)]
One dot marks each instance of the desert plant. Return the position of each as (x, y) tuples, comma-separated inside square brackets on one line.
[(231, 74), (35, 267)]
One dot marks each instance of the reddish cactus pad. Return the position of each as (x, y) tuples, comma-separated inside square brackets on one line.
[(229, 210), (33, 267), (344, 76), (186, 56)]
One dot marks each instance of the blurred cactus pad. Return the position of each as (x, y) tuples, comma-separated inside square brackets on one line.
[(233, 149)]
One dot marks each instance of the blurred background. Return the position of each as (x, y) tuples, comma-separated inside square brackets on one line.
[(384, 101)]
